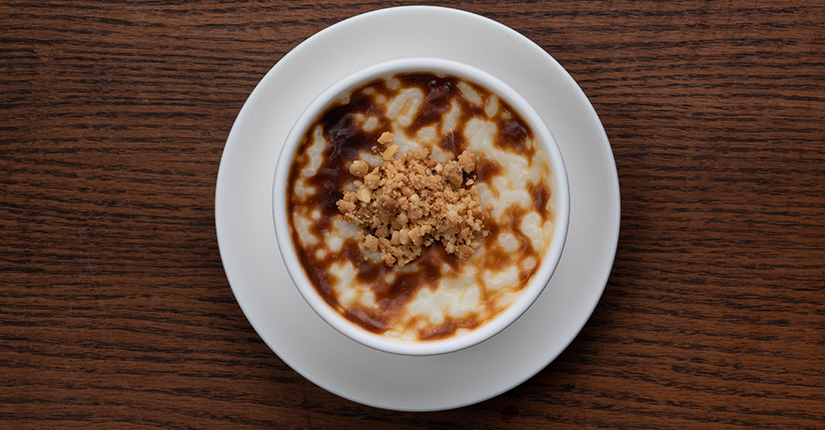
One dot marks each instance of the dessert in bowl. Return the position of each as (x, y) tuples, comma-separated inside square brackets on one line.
[(421, 205)]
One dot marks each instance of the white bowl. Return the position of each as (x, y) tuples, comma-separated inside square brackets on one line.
[(540, 278)]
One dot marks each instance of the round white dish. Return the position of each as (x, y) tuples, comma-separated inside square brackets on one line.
[(543, 138), (264, 290)]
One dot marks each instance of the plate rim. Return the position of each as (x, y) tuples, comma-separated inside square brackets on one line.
[(219, 191)]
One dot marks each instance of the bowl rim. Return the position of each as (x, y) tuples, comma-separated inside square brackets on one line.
[(529, 293)]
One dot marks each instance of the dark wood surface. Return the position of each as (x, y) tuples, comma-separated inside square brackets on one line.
[(115, 311)]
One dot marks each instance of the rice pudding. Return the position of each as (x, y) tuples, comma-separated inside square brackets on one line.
[(435, 120)]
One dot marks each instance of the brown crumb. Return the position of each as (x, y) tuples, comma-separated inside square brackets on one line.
[(468, 161), (390, 152), (411, 202), (359, 168), (386, 137), (452, 171)]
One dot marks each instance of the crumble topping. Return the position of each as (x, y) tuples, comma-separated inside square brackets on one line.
[(409, 203)]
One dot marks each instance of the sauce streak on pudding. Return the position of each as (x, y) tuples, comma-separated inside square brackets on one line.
[(436, 295)]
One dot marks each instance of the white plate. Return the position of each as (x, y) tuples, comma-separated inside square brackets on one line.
[(253, 265)]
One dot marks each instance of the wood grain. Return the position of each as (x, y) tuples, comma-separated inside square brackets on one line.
[(115, 311)]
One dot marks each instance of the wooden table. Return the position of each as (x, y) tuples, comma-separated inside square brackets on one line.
[(115, 311)]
